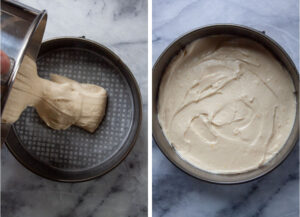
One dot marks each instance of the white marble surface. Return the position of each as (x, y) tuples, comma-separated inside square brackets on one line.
[(121, 26), (176, 194)]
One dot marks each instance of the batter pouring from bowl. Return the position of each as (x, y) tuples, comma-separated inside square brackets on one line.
[(60, 101), (226, 104)]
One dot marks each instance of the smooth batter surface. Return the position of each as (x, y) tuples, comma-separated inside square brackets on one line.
[(60, 102), (226, 104)]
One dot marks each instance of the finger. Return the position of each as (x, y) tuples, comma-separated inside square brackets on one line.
[(5, 63)]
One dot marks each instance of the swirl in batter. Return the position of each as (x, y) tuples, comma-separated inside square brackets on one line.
[(226, 104)]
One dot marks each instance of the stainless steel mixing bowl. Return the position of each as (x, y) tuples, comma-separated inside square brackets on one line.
[(22, 30), (159, 69)]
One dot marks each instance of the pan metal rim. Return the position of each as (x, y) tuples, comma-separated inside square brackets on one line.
[(158, 69), (16, 148)]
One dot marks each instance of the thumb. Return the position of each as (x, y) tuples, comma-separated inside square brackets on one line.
[(5, 63)]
